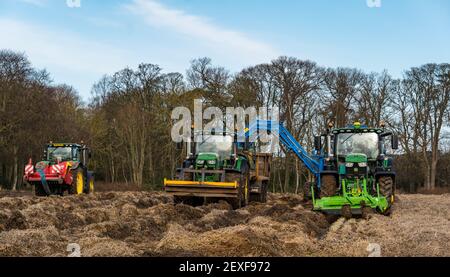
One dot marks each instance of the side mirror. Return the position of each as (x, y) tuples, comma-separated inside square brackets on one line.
[(179, 146), (394, 142), (318, 143)]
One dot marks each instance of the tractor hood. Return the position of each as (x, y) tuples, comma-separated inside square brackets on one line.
[(207, 156), (356, 158), (209, 160)]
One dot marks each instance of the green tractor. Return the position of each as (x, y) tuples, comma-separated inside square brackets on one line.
[(219, 167), (357, 175)]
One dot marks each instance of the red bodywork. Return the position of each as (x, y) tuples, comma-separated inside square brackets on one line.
[(59, 172)]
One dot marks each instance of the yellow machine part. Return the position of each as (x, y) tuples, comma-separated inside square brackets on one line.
[(79, 182), (182, 183)]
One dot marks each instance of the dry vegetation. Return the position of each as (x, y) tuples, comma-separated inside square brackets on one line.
[(148, 224)]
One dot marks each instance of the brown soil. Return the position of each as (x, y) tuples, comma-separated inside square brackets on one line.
[(149, 224)]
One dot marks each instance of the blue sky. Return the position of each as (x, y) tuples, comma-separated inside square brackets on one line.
[(79, 45)]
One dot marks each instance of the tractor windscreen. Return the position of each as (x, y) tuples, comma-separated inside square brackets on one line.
[(221, 145), (62, 154), (361, 143)]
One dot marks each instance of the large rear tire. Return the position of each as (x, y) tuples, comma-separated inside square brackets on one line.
[(77, 186), (387, 188), (245, 190), (236, 203), (263, 196), (328, 186)]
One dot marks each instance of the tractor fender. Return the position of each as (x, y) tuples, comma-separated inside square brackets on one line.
[(68, 178), (329, 172), (90, 175), (74, 166), (385, 173)]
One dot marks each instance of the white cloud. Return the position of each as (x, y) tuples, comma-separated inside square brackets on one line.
[(62, 49), (226, 41), (39, 3), (70, 58)]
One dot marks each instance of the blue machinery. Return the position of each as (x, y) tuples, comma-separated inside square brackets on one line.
[(314, 163)]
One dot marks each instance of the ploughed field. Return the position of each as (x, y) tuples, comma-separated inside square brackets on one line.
[(149, 224)]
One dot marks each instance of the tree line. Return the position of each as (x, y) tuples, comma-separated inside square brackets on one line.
[(127, 121)]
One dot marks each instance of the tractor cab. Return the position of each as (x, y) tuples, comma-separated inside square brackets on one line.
[(55, 153), (356, 148), (214, 151)]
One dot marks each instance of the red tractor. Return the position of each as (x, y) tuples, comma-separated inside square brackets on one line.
[(64, 168)]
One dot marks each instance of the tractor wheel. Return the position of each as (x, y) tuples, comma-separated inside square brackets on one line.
[(236, 203), (39, 190), (328, 186), (91, 185), (256, 197), (387, 188), (77, 186), (245, 190), (263, 195), (260, 197)]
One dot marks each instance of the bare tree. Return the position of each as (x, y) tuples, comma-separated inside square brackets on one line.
[(342, 86), (374, 97)]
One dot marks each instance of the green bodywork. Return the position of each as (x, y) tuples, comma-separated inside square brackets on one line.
[(354, 190), (211, 161)]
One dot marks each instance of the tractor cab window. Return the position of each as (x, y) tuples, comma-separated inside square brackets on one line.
[(221, 145), (59, 153), (358, 143), (76, 153)]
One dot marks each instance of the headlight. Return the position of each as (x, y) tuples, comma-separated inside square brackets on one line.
[(200, 162), (349, 164), (211, 162), (362, 164)]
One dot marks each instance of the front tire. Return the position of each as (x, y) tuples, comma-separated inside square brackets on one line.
[(39, 190), (328, 186), (387, 188), (236, 202), (91, 185)]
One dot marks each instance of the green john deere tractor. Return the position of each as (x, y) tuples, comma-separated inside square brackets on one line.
[(357, 176), (219, 167)]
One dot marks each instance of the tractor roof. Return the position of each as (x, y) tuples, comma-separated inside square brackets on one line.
[(357, 128), (63, 145)]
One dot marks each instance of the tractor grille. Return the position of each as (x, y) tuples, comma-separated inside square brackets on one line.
[(355, 169)]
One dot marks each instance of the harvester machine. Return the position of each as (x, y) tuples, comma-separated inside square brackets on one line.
[(63, 168), (219, 167)]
